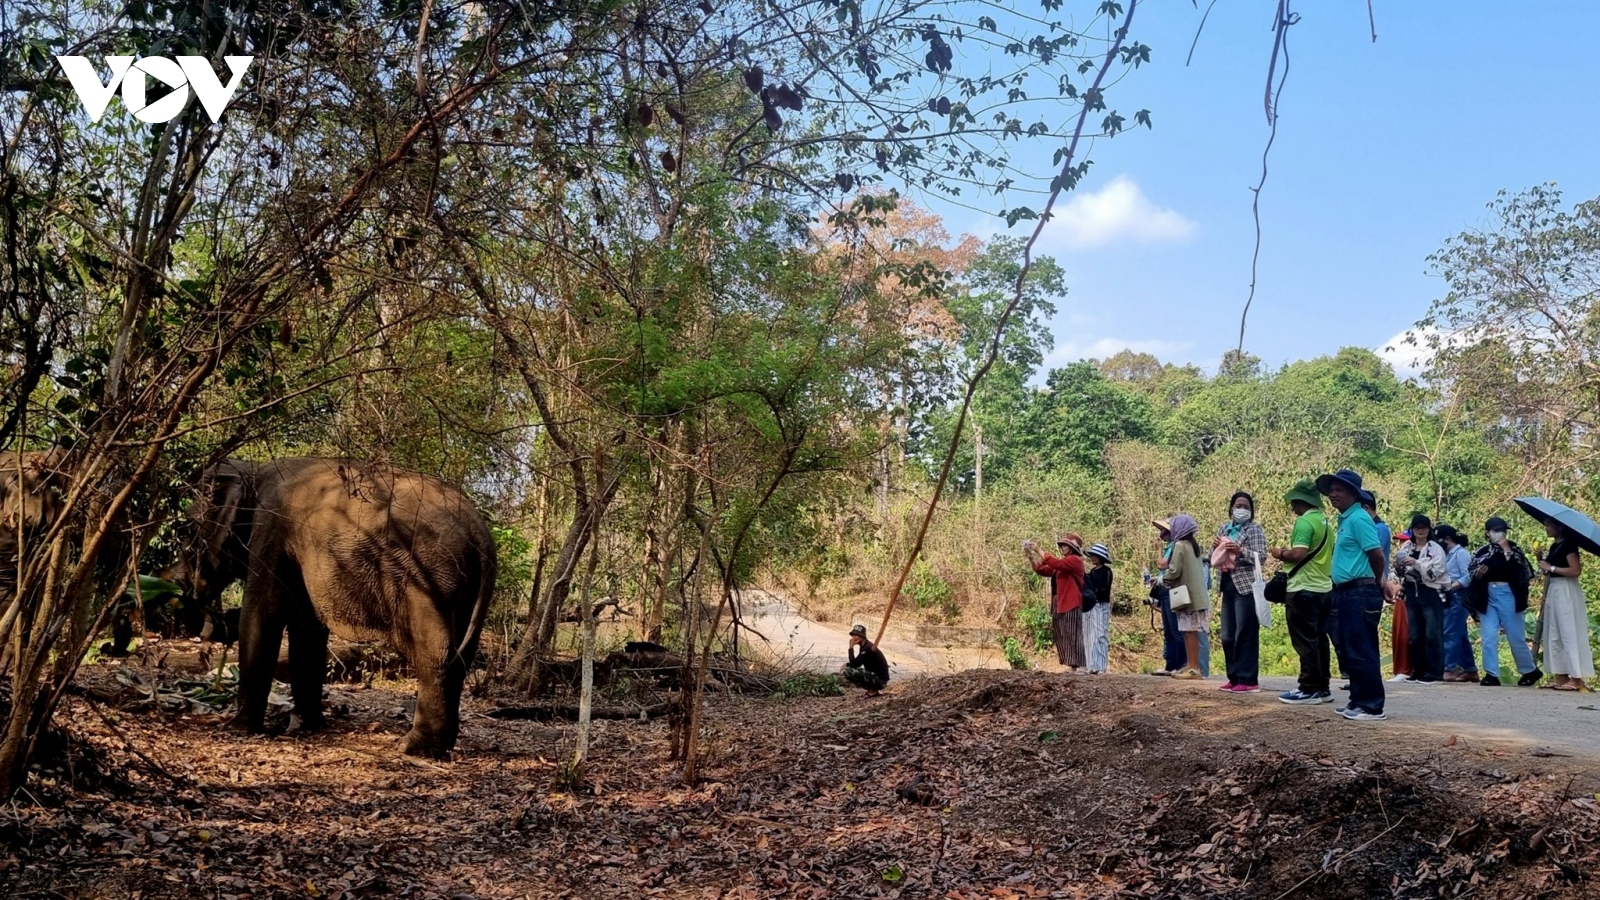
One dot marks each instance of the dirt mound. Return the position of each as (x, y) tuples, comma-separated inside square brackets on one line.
[(984, 784)]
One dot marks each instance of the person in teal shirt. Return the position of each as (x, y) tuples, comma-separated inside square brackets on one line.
[(1358, 580)]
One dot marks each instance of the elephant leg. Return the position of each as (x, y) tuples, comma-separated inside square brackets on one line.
[(261, 633), (121, 634), (437, 719), (308, 664), (440, 676)]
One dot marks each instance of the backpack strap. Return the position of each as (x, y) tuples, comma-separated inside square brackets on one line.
[(1313, 554)]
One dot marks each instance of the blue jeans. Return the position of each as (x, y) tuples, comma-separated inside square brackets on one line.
[(1241, 634), (1360, 607), (1173, 653), (1502, 615), (1457, 646)]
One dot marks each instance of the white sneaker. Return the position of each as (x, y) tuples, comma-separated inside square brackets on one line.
[(1399, 678)]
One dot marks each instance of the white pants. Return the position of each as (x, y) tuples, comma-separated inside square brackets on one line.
[(1097, 636)]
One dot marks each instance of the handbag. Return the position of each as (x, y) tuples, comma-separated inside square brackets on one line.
[(1277, 590), (1258, 590), (1178, 598)]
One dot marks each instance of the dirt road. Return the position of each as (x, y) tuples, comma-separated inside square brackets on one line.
[(1534, 721), (821, 647)]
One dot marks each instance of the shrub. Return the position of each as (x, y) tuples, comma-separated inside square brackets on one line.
[(926, 587), (809, 686), (1034, 618), (1014, 655)]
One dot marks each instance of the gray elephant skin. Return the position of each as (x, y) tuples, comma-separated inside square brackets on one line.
[(367, 551), (30, 501)]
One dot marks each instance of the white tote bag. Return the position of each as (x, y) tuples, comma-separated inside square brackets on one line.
[(1258, 589)]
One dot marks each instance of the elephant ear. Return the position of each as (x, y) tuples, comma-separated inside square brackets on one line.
[(30, 488), (221, 494)]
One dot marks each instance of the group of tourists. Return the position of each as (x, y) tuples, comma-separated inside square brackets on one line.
[(1335, 576)]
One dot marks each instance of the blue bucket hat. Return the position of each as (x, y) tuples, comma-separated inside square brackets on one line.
[(1348, 477)]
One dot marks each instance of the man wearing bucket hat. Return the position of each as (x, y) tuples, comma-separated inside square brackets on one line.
[(865, 666), (1308, 601), (1359, 569)]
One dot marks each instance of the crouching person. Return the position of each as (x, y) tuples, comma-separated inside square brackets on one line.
[(867, 667)]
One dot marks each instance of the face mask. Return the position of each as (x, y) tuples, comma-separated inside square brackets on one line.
[(1241, 516), (1496, 537)]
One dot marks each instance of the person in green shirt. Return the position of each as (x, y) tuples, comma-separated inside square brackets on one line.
[(1308, 604)]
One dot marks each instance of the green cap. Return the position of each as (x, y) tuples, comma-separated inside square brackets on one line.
[(1305, 490)]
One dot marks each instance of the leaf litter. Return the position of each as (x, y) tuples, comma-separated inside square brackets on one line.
[(975, 785)]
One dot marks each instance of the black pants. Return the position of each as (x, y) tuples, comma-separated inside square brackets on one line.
[(860, 677), (1425, 634), (1309, 615), (1241, 634)]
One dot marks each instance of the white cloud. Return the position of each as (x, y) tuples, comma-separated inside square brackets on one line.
[(1411, 351), (1408, 359), (1117, 212)]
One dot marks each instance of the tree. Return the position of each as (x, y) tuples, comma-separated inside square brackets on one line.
[(1080, 414), (1516, 339)]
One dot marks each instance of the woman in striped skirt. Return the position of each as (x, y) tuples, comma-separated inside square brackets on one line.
[(1066, 574)]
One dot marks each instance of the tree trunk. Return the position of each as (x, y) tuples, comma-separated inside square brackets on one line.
[(586, 694)]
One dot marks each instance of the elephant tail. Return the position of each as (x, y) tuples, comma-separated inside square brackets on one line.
[(487, 576)]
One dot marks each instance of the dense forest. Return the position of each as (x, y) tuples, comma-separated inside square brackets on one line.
[(651, 284)]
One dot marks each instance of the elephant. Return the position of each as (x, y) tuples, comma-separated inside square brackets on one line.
[(30, 502), (366, 550)]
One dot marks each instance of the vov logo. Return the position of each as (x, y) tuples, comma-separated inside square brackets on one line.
[(182, 74)]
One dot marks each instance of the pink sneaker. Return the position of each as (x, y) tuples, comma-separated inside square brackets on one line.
[(1227, 687), (1245, 688)]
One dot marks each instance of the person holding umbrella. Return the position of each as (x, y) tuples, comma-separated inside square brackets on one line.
[(1566, 619)]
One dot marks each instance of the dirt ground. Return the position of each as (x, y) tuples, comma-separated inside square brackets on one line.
[(982, 784)]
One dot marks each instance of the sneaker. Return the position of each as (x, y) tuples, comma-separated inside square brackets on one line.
[(1303, 698), (1530, 679), (1357, 714), (1345, 686), (1490, 681), (1399, 677), (1246, 689), (1227, 687), (1427, 681), (1164, 673), (1188, 675)]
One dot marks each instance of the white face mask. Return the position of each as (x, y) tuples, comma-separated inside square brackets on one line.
[(1241, 516), (1496, 537)]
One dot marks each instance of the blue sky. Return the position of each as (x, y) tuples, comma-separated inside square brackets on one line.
[(1383, 151)]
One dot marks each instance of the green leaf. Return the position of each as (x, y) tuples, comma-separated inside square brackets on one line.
[(894, 874)]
